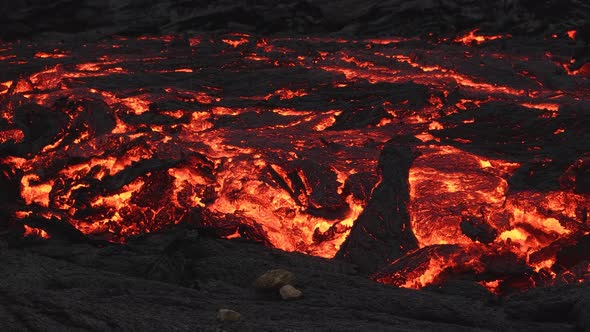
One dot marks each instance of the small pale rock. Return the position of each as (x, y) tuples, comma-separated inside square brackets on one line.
[(289, 292), (227, 315), (274, 279)]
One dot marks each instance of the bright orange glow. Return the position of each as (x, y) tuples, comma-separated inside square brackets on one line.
[(138, 104), (519, 218), (4, 86), (22, 214), (15, 135), (583, 71), (194, 41), (571, 34), (37, 232), (235, 42), (492, 286), (386, 41), (36, 193), (435, 126), (283, 94), (234, 235), (50, 55), (279, 140), (471, 37), (275, 209), (434, 268), (546, 106)]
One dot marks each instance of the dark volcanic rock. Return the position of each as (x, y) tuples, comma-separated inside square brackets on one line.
[(59, 286), (478, 230), (274, 279), (570, 255), (99, 19), (359, 118), (360, 185), (382, 232), (522, 135), (39, 125), (227, 315), (414, 264), (289, 292)]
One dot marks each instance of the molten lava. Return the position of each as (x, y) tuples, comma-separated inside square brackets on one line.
[(278, 140)]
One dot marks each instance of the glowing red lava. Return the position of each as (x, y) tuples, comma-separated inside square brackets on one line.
[(277, 140)]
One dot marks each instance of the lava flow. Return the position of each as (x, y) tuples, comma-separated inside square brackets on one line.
[(279, 141)]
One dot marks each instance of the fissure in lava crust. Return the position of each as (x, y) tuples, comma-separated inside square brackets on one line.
[(420, 161)]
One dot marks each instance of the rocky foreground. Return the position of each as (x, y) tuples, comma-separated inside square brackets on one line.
[(179, 281)]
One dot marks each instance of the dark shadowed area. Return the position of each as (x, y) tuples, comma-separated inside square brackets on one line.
[(96, 19)]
